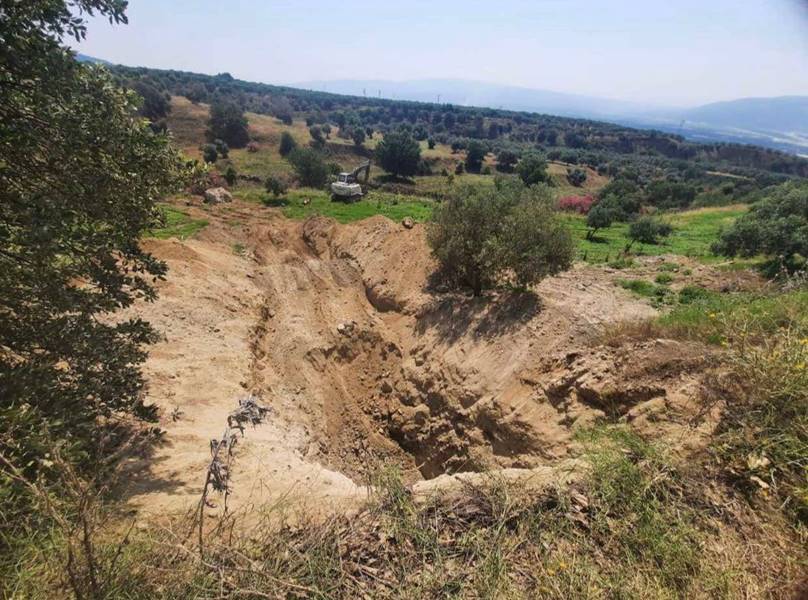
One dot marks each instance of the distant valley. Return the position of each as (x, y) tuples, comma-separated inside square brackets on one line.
[(780, 123)]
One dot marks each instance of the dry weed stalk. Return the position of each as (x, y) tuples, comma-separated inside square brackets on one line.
[(217, 477)]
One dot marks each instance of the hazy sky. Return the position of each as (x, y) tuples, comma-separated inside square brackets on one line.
[(665, 51)]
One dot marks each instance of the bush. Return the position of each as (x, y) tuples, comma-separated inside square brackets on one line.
[(287, 144), (648, 231), (317, 139), (576, 177), (532, 169), (776, 226), (431, 143), (475, 153), (506, 160), (579, 204), (227, 122), (309, 167), (222, 148), (483, 236), (230, 175), (358, 136), (600, 216), (275, 186), (209, 153), (398, 154)]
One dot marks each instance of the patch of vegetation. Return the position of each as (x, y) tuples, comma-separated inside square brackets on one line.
[(705, 315), (663, 278), (633, 521), (176, 223), (482, 237), (660, 294), (301, 203), (776, 226), (693, 234)]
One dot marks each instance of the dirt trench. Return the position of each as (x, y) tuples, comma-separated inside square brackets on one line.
[(353, 342), (338, 329)]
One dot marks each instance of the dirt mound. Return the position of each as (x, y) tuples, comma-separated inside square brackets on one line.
[(339, 330)]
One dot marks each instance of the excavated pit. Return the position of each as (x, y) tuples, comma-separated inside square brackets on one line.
[(354, 346)]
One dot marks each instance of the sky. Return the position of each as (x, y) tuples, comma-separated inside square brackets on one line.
[(667, 52)]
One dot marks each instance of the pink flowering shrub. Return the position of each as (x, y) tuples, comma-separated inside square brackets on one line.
[(579, 204)]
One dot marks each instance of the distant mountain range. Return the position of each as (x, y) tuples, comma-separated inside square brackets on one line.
[(780, 123)]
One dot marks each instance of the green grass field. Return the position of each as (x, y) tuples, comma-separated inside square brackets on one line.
[(393, 206), (177, 224), (694, 232)]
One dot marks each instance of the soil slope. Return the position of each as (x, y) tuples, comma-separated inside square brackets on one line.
[(340, 331)]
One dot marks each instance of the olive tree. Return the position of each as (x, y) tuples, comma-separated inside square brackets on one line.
[(483, 236), (398, 154), (80, 174)]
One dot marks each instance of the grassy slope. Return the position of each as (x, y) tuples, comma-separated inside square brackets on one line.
[(176, 224), (393, 206), (694, 231)]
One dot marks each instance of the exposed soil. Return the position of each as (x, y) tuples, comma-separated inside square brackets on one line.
[(338, 329)]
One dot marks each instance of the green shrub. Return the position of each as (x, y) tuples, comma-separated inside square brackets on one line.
[(228, 123), (309, 167), (663, 278), (222, 148), (532, 169), (475, 154), (287, 144), (275, 186), (209, 153), (230, 175), (648, 231)]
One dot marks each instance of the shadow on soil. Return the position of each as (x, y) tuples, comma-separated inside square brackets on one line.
[(453, 316)]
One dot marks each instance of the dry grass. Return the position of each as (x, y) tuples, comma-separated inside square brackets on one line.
[(634, 522)]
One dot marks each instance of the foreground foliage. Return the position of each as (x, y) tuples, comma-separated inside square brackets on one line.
[(80, 172)]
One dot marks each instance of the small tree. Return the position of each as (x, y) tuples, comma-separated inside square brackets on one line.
[(358, 136), (576, 177), (317, 139), (209, 153), (776, 227), (222, 148), (648, 231), (275, 186), (475, 153), (309, 167), (532, 169), (600, 216), (230, 175), (508, 233), (431, 143), (287, 144), (398, 153), (506, 160), (227, 122)]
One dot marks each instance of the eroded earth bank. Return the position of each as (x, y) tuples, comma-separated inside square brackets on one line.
[(364, 359)]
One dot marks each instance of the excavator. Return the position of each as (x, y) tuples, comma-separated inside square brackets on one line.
[(346, 188)]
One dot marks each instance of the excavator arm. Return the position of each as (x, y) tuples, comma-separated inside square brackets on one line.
[(364, 167)]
